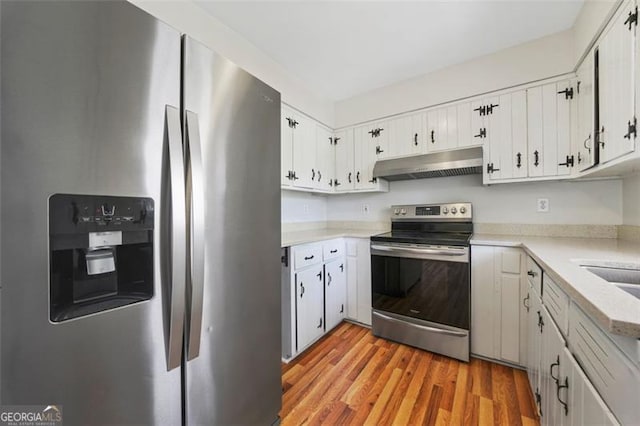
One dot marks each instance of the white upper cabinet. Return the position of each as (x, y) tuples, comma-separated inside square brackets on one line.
[(616, 68), (304, 152), (377, 135), (442, 129), (344, 151), (465, 130), (286, 146), (549, 129), (324, 171), (505, 133), (406, 135), (585, 106)]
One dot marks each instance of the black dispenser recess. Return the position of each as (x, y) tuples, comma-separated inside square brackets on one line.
[(101, 253)]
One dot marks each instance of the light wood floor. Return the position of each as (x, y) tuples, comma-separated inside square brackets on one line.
[(352, 377)]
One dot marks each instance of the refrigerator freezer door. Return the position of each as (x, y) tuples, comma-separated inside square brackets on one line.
[(84, 90), (236, 377)]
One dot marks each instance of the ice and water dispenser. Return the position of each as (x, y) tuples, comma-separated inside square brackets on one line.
[(101, 252)]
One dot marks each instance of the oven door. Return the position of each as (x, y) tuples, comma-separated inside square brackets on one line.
[(431, 283)]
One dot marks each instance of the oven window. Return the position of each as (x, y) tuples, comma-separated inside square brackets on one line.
[(431, 290)]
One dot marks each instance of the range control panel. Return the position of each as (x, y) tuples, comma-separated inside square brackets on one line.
[(432, 212)]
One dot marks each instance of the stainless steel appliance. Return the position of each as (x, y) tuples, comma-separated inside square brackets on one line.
[(138, 284), (420, 278)]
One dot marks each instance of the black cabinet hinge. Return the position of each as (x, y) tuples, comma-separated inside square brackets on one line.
[(632, 19), (482, 134), (373, 180), (376, 132), (284, 259), (631, 129), (568, 162), (491, 107), (482, 110), (491, 168), (335, 141), (378, 150), (292, 123), (568, 93)]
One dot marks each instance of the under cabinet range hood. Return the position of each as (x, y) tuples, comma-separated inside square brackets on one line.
[(458, 162)]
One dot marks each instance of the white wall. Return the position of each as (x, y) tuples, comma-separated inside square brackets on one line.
[(631, 200), (597, 202), (589, 23), (535, 60), (303, 207), (189, 18)]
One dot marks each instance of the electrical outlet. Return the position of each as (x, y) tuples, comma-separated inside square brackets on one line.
[(365, 209), (543, 205)]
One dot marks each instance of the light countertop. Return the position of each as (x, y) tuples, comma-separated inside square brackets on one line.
[(615, 310), (314, 235)]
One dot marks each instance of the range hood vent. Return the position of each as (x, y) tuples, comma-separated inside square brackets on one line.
[(458, 162)]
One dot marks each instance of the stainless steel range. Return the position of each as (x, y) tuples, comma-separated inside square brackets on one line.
[(420, 278)]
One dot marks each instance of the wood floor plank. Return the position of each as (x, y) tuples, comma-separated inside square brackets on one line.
[(351, 377)]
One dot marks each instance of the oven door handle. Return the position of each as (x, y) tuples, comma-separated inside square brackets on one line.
[(422, 327), (420, 251)]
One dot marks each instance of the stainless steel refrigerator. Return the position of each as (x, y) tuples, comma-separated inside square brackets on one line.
[(140, 221)]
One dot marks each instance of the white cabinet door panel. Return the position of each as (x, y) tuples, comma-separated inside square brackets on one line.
[(465, 132), (335, 292), (344, 160), (324, 171), (309, 305), (304, 151)]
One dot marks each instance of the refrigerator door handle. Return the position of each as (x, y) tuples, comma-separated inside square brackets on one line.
[(195, 206), (175, 246)]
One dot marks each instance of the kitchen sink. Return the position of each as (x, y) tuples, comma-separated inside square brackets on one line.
[(627, 278)]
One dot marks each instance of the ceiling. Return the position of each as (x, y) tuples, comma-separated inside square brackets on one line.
[(340, 49)]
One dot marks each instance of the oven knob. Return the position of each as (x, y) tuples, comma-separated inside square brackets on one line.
[(403, 211), (396, 211), (453, 210), (463, 210), (445, 210)]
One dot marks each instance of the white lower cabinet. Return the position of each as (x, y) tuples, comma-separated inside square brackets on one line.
[(335, 292), (309, 306), (359, 280), (534, 343), (497, 285)]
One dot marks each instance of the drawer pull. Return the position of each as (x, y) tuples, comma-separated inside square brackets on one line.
[(342, 308), (333, 251), (320, 325), (319, 275), (342, 267), (301, 290), (563, 386), (524, 302), (308, 257), (329, 279), (555, 364), (531, 273)]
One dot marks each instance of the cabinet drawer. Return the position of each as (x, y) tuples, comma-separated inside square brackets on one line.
[(332, 249), (534, 274), (611, 373), (557, 303), (306, 255)]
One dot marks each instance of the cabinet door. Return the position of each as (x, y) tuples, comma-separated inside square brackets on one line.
[(507, 136), (510, 261), (361, 156), (552, 347), (304, 152), (352, 287), (309, 306), (616, 54), (465, 132), (406, 135), (324, 171), (484, 306), (378, 138), (565, 100), (335, 292), (364, 282), (584, 404), (585, 105), (437, 130), (344, 155), (286, 146), (534, 338)]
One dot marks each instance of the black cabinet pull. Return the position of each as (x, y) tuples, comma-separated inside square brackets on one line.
[(540, 322), (555, 364), (579, 158), (568, 93), (349, 178), (559, 386), (531, 273), (518, 160), (319, 175), (329, 279), (301, 290), (308, 257), (333, 251), (342, 308), (313, 174), (433, 136), (524, 302), (631, 129), (319, 275), (342, 267), (320, 325), (482, 134), (358, 177), (415, 139), (536, 158)]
